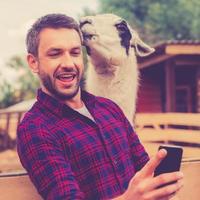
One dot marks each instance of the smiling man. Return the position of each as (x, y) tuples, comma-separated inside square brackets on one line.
[(73, 144), (63, 64), (58, 61)]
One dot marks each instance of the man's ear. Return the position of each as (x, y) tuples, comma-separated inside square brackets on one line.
[(141, 48), (33, 63)]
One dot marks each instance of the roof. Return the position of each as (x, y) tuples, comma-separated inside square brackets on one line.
[(19, 107), (183, 42), (169, 49)]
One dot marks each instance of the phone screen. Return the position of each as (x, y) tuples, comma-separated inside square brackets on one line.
[(171, 162)]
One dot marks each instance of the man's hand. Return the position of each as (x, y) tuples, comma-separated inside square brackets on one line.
[(144, 186)]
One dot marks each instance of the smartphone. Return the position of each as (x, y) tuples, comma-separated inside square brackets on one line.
[(171, 162)]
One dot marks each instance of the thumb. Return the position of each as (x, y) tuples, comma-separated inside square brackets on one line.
[(151, 165)]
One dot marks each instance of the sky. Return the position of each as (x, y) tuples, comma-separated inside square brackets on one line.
[(16, 16)]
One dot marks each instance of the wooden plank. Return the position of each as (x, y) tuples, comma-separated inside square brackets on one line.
[(154, 60), (190, 154), (169, 86), (187, 119), (188, 63), (191, 182), (21, 188), (18, 188), (149, 97), (186, 49), (5, 137), (169, 135), (19, 117), (198, 89)]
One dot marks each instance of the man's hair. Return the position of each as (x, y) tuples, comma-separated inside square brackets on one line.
[(54, 21)]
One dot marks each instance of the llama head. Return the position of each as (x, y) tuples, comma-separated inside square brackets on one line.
[(109, 40)]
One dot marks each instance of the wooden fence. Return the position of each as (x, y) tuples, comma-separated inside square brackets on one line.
[(169, 127), (166, 127), (8, 127), (19, 187)]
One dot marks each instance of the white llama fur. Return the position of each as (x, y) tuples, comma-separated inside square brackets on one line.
[(112, 71)]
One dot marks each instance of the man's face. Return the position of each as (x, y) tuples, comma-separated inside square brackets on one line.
[(60, 62)]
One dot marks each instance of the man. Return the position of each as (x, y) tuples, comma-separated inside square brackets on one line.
[(75, 145)]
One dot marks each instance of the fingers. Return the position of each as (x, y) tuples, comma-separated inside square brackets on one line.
[(151, 165), (146, 186), (164, 179), (154, 183), (164, 192)]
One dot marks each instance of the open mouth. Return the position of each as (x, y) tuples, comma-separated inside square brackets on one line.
[(66, 77)]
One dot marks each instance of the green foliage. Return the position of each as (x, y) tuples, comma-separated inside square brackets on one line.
[(6, 98), (158, 19), (24, 87), (27, 82), (86, 12)]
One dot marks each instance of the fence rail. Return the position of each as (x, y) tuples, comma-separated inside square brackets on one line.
[(18, 185), (151, 127), (180, 127), (8, 127), (169, 127)]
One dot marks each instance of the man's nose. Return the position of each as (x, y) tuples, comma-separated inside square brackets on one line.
[(67, 60)]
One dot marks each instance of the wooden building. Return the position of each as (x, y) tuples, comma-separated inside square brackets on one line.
[(170, 78)]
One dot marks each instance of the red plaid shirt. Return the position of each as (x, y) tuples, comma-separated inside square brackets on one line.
[(68, 156)]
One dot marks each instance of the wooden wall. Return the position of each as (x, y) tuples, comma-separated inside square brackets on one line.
[(198, 90), (151, 94)]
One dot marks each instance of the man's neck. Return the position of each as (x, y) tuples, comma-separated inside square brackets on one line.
[(75, 102)]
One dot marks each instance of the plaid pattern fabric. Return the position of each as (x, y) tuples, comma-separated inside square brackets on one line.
[(68, 156)]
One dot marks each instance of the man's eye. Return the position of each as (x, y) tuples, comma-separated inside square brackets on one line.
[(53, 53), (78, 52)]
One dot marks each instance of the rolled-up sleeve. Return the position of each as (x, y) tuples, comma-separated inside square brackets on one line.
[(46, 164)]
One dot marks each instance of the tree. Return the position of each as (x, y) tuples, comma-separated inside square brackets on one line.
[(27, 83), (23, 88), (159, 20), (6, 97)]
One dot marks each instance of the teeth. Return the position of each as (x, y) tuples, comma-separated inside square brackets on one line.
[(65, 75)]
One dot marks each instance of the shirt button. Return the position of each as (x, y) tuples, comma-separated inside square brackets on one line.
[(115, 162)]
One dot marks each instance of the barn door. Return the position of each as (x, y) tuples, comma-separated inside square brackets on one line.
[(183, 99)]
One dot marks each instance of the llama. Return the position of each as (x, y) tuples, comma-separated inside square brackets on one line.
[(112, 46)]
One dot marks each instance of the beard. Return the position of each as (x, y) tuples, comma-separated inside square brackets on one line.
[(50, 85)]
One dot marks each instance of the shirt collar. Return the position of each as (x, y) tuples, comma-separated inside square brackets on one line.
[(59, 108)]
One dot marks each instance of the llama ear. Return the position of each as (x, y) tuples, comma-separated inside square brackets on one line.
[(141, 48)]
